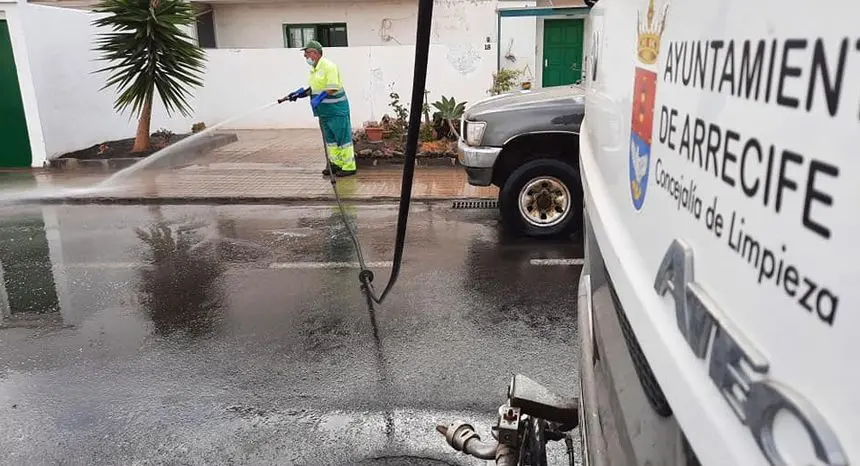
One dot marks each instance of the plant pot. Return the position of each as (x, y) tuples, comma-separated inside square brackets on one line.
[(526, 85), (373, 134)]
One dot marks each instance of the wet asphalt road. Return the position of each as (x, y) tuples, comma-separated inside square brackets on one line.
[(232, 334)]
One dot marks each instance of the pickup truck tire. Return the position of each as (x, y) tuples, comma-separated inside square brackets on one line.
[(542, 198)]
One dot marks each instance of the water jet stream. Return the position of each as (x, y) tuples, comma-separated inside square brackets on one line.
[(114, 182)]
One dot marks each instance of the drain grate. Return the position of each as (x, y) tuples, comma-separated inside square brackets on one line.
[(475, 204)]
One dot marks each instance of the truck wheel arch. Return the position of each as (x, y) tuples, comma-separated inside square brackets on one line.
[(523, 148)]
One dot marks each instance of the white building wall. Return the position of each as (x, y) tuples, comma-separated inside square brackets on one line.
[(260, 25), (391, 23), (69, 111), (518, 47), (239, 80)]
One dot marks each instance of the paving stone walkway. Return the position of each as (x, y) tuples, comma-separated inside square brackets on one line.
[(271, 165)]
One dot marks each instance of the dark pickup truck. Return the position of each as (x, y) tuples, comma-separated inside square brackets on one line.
[(527, 144)]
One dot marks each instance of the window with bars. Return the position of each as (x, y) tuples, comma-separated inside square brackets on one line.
[(329, 35)]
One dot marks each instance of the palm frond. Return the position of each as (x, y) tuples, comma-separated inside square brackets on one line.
[(148, 53)]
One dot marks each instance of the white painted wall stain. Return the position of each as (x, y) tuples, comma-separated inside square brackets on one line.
[(464, 58)]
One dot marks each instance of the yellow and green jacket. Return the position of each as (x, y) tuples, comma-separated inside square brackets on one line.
[(323, 77)]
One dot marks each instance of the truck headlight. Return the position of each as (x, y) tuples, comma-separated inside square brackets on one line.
[(475, 132)]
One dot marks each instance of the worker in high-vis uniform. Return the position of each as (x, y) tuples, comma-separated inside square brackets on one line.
[(330, 105)]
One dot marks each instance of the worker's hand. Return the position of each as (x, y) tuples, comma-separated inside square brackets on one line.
[(301, 93), (318, 99), (295, 95)]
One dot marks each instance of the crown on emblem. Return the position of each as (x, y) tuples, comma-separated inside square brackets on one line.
[(648, 45)]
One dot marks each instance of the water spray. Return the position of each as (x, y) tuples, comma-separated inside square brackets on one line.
[(161, 154), (14, 196)]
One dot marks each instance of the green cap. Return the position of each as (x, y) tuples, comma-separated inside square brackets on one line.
[(313, 45)]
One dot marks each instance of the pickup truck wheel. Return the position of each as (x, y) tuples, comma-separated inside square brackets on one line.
[(542, 198)]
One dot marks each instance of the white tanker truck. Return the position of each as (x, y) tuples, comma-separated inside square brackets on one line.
[(718, 303)]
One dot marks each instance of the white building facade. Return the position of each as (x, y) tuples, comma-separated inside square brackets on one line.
[(253, 58)]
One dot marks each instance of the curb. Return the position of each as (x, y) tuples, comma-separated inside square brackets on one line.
[(239, 200), (192, 152), (398, 162)]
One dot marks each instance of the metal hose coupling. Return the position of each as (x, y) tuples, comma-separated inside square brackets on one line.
[(462, 437), (506, 455)]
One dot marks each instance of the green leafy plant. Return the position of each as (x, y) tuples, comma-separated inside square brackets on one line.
[(505, 80), (450, 110), (147, 53), (400, 122), (164, 134), (442, 128), (427, 133)]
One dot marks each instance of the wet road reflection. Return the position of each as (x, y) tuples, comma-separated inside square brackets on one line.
[(181, 284), (530, 294), (210, 335)]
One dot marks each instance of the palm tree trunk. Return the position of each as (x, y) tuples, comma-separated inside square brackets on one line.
[(141, 139)]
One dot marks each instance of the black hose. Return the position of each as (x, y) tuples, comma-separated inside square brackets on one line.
[(571, 454), (419, 80), (352, 235)]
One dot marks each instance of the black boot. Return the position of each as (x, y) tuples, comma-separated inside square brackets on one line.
[(334, 167)]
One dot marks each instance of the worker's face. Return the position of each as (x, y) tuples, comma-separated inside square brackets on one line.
[(312, 55)]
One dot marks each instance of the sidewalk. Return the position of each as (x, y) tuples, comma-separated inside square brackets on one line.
[(270, 166), (296, 148)]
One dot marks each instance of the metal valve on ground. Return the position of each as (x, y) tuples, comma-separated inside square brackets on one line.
[(531, 417)]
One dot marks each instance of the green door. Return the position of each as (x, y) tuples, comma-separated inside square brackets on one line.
[(562, 51), (15, 147)]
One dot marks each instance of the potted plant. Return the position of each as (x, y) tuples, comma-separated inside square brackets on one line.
[(526, 83), (373, 132)]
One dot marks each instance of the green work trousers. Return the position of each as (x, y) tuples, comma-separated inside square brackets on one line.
[(337, 132)]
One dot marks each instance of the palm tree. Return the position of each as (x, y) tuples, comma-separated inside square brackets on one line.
[(149, 51)]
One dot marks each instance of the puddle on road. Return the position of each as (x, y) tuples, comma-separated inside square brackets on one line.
[(59, 265)]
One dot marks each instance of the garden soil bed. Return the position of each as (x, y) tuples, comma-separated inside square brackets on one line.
[(117, 154), (393, 152), (121, 148)]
